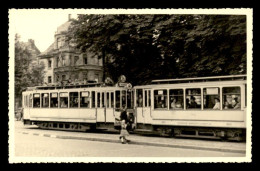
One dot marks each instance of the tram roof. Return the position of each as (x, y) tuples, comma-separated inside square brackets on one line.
[(66, 86), (200, 79)]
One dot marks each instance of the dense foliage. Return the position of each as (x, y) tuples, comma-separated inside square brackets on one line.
[(27, 72), (146, 47)]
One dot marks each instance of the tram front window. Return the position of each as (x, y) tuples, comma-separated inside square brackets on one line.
[(139, 99), (54, 100), (85, 99), (93, 99), (123, 99), (193, 98), (160, 99), (117, 99), (74, 99), (231, 98), (45, 100), (36, 100), (211, 98), (63, 100), (30, 100)]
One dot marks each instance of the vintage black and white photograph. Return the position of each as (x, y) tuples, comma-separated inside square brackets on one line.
[(147, 85)]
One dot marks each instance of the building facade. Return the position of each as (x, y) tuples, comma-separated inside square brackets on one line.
[(63, 62)]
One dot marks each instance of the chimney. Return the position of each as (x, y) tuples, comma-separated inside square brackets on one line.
[(69, 17)]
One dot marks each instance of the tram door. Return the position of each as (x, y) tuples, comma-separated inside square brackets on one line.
[(147, 107), (139, 101), (101, 112), (110, 107)]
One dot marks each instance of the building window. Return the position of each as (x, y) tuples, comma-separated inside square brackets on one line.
[(49, 63), (57, 78), (49, 79), (85, 59), (63, 61), (76, 58), (63, 77)]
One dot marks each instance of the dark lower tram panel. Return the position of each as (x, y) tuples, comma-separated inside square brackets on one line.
[(192, 132)]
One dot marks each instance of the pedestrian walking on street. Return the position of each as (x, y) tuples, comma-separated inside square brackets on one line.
[(123, 133)]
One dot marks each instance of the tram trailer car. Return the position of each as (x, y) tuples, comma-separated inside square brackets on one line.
[(76, 108), (208, 107)]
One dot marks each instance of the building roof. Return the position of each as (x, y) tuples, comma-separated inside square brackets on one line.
[(63, 28), (60, 30)]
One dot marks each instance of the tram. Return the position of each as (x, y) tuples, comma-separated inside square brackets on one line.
[(76, 107), (207, 107)]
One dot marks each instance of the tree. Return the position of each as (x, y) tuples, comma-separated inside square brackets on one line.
[(146, 47), (27, 72)]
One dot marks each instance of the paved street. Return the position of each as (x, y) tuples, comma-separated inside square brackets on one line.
[(30, 143)]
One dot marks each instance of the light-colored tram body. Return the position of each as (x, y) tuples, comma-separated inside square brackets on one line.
[(203, 121), (144, 105), (96, 107)]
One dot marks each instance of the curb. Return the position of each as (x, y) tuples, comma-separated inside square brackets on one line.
[(220, 149)]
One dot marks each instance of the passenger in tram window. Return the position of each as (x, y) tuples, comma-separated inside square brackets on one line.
[(236, 103), (75, 102), (63, 104), (160, 104), (173, 103), (37, 104), (187, 103), (217, 104), (140, 101), (227, 105), (179, 104), (193, 103)]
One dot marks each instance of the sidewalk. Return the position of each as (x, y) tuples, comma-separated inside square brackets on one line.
[(113, 137)]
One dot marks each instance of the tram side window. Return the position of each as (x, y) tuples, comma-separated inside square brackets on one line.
[(117, 99), (85, 99), (245, 94), (45, 100), (30, 100), (129, 99), (63, 100), (74, 99), (211, 98), (193, 98), (160, 99), (98, 99), (231, 98), (176, 99), (93, 99), (139, 99), (107, 105), (112, 99), (103, 100), (54, 100), (36, 100)]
